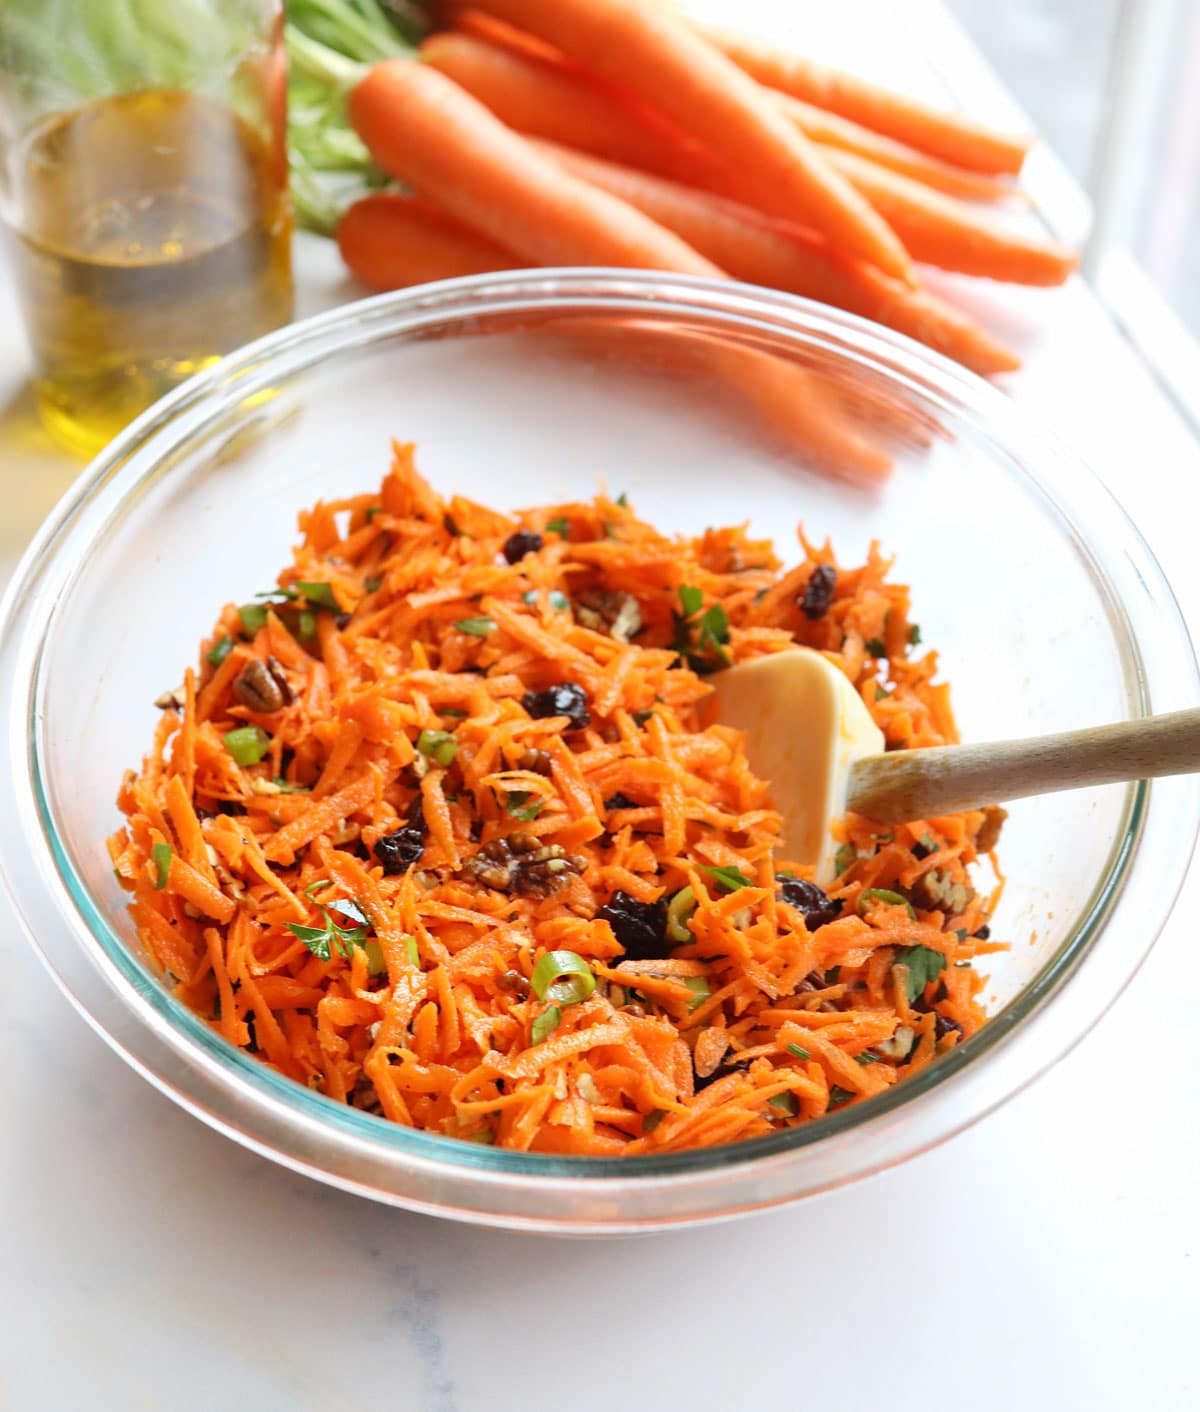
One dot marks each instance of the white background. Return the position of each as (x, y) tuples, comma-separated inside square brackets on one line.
[(1046, 1259)]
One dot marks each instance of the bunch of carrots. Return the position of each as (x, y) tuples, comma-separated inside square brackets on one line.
[(437, 828), (619, 133)]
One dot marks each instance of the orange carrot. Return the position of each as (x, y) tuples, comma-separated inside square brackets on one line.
[(388, 943), (390, 241), (938, 230), (545, 97), (677, 71), (751, 249), (425, 130), (948, 136), (828, 129)]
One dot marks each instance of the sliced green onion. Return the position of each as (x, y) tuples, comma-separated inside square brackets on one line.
[(247, 744), (557, 600), (731, 879), (883, 894), (516, 801), (476, 627), (623, 500), (376, 964), (439, 746), (562, 977), (786, 1102), (162, 864), (561, 525), (798, 1052), (410, 950), (679, 912), (372, 511), (306, 626), (220, 649), (545, 1024), (287, 787), (652, 1119), (313, 888), (641, 717), (372, 585), (253, 616), (838, 1095), (865, 1058), (845, 857), (698, 985), (320, 595)]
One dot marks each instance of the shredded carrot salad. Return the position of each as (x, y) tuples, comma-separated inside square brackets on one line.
[(437, 829)]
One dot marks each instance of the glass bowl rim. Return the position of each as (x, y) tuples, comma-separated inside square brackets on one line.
[(740, 309)]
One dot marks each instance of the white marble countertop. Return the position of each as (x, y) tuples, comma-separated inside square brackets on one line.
[(1048, 1258)]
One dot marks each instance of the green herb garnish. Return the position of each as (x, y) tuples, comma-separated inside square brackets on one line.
[(839, 1095), (731, 879), (845, 857), (914, 633), (439, 746), (161, 853), (865, 1058), (324, 941), (476, 627), (875, 647), (652, 1119), (798, 1052), (376, 964), (247, 744), (623, 500), (641, 717), (561, 526), (411, 953), (220, 649), (287, 787), (923, 965), (700, 638), (786, 1102), (373, 584)]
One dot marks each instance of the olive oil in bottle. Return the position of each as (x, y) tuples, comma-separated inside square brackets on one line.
[(155, 236)]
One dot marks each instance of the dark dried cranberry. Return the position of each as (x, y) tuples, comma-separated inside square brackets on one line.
[(738, 1066), (565, 699), (400, 850), (983, 933), (523, 542), (816, 907), (640, 927), (818, 592), (619, 801), (942, 1026), (342, 620)]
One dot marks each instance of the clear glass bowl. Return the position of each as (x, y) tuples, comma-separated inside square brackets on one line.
[(1045, 605)]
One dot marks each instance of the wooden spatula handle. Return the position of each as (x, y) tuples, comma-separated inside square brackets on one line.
[(920, 784)]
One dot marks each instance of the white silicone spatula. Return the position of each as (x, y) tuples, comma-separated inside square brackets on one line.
[(809, 733)]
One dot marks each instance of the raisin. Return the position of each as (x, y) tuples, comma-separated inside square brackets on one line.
[(400, 850), (812, 902), (919, 851), (619, 801), (818, 592), (640, 927), (942, 1026), (565, 699), (737, 1066), (523, 542), (984, 932)]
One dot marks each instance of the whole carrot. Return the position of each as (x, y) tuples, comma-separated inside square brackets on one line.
[(749, 247), (677, 71), (422, 128), (949, 136), (830, 130), (544, 97), (938, 230), (391, 241)]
